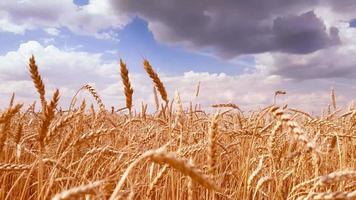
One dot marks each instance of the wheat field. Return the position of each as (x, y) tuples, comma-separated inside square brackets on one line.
[(175, 152)]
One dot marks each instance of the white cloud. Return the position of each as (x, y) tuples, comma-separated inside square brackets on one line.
[(52, 31), (7, 26), (250, 91), (93, 19), (69, 70)]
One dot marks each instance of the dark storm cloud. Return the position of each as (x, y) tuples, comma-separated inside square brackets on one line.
[(303, 34), (234, 27)]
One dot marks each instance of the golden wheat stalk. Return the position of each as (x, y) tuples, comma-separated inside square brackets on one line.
[(226, 105), (37, 80), (337, 176), (260, 183), (213, 129), (329, 195), (255, 173), (77, 191), (153, 75), (5, 118), (156, 98), (162, 157), (60, 124), (92, 135), (157, 179), (190, 183), (333, 98), (183, 167), (127, 85), (97, 98), (9, 113), (48, 116), (14, 167)]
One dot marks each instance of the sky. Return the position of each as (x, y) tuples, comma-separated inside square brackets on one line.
[(240, 51)]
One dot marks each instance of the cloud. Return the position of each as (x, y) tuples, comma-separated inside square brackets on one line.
[(249, 91), (51, 60), (303, 34), (64, 69), (94, 19), (69, 70), (332, 62), (294, 39), (342, 6), (303, 39), (327, 63), (53, 31), (235, 27)]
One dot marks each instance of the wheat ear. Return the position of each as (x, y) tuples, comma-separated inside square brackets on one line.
[(333, 98), (183, 167), (77, 191), (156, 98), (48, 117), (37, 80), (14, 167), (161, 156), (127, 85), (95, 95), (255, 173), (226, 105), (213, 129), (153, 75), (5, 128)]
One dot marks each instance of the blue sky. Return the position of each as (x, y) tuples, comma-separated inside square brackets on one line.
[(240, 55), (135, 42)]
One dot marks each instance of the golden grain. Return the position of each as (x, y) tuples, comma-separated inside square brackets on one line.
[(269, 153)]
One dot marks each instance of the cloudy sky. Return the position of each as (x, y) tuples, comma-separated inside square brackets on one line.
[(241, 51)]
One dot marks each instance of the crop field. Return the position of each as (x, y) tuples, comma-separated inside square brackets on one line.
[(173, 152)]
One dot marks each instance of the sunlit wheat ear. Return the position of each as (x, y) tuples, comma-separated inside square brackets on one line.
[(331, 195), (255, 173), (184, 167), (78, 191), (272, 138), (333, 98), (156, 98), (213, 129), (179, 110), (8, 114), (60, 124), (162, 157), (157, 82), (337, 177), (5, 128), (14, 167), (127, 85), (48, 117), (226, 105), (260, 183), (97, 98), (18, 135), (37, 80)]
